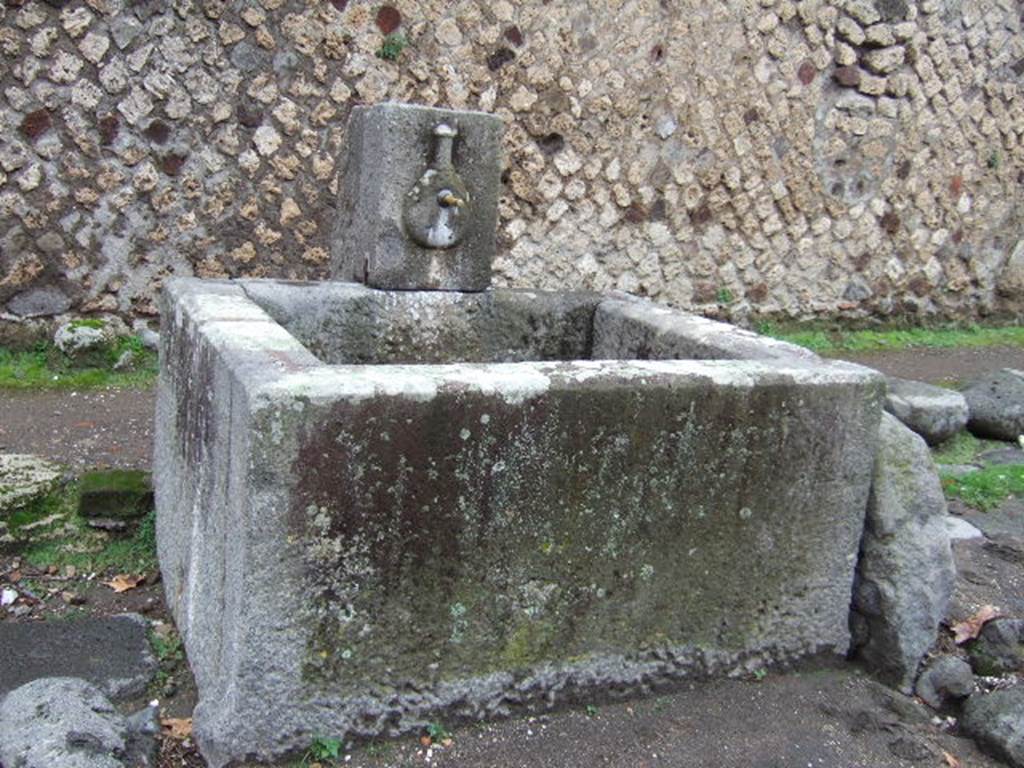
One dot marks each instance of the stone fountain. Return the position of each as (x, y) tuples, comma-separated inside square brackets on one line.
[(406, 496)]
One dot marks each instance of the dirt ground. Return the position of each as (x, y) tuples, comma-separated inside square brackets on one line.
[(83, 430), (951, 367), (829, 713)]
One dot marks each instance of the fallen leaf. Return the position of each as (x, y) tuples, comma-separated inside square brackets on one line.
[(177, 727), (951, 761), (426, 741), (14, 576), (123, 582), (971, 628), (447, 742)]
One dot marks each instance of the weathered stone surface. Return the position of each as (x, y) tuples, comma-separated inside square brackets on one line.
[(996, 721), (381, 327), (112, 653), (944, 681), (1001, 457), (478, 536), (638, 330), (996, 403), (906, 572), (24, 479), (39, 302), (999, 648), (87, 344), (68, 722), (936, 414), (394, 187)]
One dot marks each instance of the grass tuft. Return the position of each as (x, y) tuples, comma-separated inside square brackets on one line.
[(836, 341), (987, 488), (37, 369), (963, 448), (90, 550)]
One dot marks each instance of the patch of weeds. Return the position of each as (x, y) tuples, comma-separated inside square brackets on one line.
[(87, 322), (987, 488), (760, 674), (170, 654), (725, 296), (438, 733), (90, 550), (963, 448), (41, 368), (322, 748), (591, 710), (826, 340), (28, 521), (392, 47)]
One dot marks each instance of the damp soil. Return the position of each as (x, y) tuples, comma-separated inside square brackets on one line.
[(952, 367), (82, 430)]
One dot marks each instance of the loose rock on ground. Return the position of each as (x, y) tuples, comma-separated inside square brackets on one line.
[(996, 721), (68, 722), (906, 572), (935, 413), (996, 403)]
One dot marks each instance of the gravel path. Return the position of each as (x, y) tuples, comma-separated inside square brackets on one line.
[(83, 430), (940, 366)]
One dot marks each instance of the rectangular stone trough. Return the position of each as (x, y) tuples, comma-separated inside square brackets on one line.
[(380, 509)]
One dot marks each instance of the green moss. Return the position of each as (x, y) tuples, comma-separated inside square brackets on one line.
[(87, 322), (36, 510), (963, 448), (116, 481), (529, 643), (833, 340), (987, 488), (116, 493), (170, 655), (90, 550)]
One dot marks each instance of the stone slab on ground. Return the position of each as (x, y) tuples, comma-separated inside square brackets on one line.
[(66, 722), (996, 402), (1005, 520), (935, 413), (1002, 457), (996, 721), (25, 478), (944, 679), (111, 652), (958, 528)]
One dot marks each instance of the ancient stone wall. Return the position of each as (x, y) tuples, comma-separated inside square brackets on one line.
[(769, 158)]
